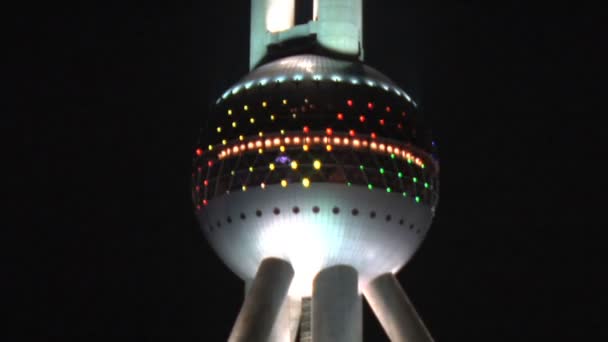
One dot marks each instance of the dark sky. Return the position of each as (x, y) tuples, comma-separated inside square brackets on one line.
[(113, 95)]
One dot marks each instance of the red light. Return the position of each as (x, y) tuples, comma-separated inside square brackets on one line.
[(403, 114), (199, 152), (373, 135), (206, 182), (340, 116), (305, 129), (400, 126), (205, 202), (199, 169), (362, 118), (382, 122), (349, 103), (370, 105), (388, 109), (197, 188), (351, 132), (210, 163), (329, 131)]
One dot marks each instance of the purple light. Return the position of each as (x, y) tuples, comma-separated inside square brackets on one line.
[(282, 159)]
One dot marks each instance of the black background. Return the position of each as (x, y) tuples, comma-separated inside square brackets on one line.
[(113, 95)]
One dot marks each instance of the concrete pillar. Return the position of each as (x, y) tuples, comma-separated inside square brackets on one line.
[(268, 16), (340, 25), (336, 306), (263, 302), (395, 311)]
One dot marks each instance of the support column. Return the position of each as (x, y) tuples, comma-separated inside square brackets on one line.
[(394, 310), (263, 302), (336, 306)]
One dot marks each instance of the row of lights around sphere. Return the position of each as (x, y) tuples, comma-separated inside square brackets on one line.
[(329, 140)]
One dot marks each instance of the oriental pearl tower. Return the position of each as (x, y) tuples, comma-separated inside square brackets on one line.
[(315, 181)]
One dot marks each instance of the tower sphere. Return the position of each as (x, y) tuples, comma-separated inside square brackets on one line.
[(317, 161)]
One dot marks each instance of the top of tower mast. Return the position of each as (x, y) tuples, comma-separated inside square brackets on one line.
[(336, 27)]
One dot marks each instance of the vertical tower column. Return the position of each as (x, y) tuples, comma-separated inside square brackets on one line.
[(340, 25), (394, 310), (268, 16), (263, 302), (336, 306)]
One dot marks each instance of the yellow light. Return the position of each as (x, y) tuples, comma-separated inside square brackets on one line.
[(282, 148), (246, 107), (294, 165), (241, 138), (282, 132), (210, 147), (264, 104), (317, 164), (224, 142), (305, 147), (260, 134), (252, 120), (234, 124), (329, 148), (219, 129), (306, 182), (229, 111), (284, 101), (271, 167), (283, 183), (272, 117), (260, 151), (244, 188)]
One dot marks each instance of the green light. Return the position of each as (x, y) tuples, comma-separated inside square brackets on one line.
[(388, 189), (417, 199), (369, 186), (409, 161), (361, 167), (426, 185), (392, 156), (381, 171), (349, 184), (415, 180), (400, 174), (404, 194)]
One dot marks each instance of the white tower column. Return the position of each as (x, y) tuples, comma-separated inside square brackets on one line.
[(263, 302), (340, 25), (268, 16), (336, 306), (394, 310)]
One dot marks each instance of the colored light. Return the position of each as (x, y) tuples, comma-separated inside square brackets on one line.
[(381, 122), (205, 202), (224, 142), (234, 124), (251, 169), (229, 111), (373, 135), (329, 131), (210, 163), (272, 117), (246, 107), (282, 132), (305, 147), (369, 186), (404, 114), (388, 109), (370, 105), (306, 182), (381, 171), (305, 129), (317, 164), (351, 132), (260, 151), (328, 148), (284, 101), (219, 129), (294, 165), (400, 175), (284, 183), (349, 103), (199, 152), (241, 138), (271, 167), (415, 180), (417, 199), (252, 120), (340, 116), (426, 185), (361, 167), (392, 156), (206, 182), (388, 189), (264, 104), (349, 184), (282, 148), (362, 118), (244, 188), (210, 147), (405, 194)]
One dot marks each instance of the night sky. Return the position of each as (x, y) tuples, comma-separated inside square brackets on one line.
[(113, 95)]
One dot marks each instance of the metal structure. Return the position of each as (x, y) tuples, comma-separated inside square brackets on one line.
[(316, 181)]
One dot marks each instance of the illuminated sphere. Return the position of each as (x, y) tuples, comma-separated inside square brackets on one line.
[(317, 161)]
